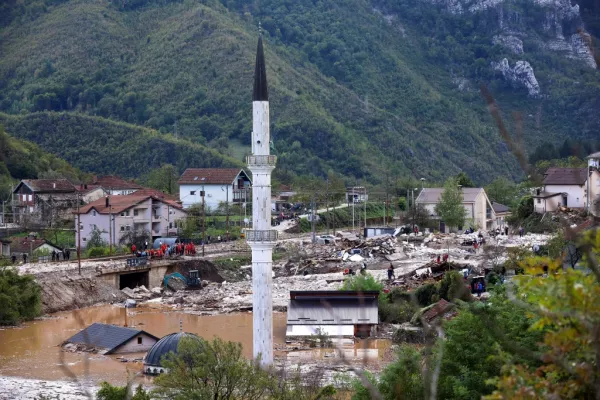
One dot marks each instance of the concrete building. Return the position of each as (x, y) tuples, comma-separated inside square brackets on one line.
[(594, 183), (116, 186), (4, 248), (562, 187), (88, 193), (501, 212), (116, 216), (221, 185), (356, 194), (475, 201), (32, 246), (261, 237), (112, 339), (43, 201), (332, 312)]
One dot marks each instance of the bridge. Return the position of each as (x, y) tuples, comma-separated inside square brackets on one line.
[(136, 271)]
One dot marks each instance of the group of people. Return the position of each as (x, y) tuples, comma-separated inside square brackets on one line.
[(66, 255), (442, 259), (176, 249)]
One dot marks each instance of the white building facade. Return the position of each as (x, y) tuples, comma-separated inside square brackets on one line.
[(220, 185)]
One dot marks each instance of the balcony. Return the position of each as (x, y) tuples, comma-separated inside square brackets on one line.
[(261, 160), (261, 236)]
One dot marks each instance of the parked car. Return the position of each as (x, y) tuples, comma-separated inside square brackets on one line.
[(326, 239)]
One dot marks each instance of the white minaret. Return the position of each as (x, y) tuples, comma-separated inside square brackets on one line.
[(261, 238)]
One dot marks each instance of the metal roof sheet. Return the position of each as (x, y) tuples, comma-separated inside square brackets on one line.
[(211, 176), (332, 311), (105, 336), (565, 176)]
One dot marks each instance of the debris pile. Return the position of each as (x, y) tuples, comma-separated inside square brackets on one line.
[(142, 293)]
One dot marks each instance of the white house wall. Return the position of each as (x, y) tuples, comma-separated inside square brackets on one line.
[(576, 196), (213, 196), (132, 345), (331, 330)]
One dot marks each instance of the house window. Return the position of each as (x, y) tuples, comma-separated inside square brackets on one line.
[(539, 201), (29, 197), (94, 213), (83, 239), (192, 192), (135, 212), (122, 228), (127, 227), (170, 225), (139, 340)]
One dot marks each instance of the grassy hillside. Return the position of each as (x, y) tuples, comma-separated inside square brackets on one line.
[(361, 87), (106, 147)]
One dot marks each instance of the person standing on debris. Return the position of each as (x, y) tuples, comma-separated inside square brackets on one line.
[(24, 258), (146, 244), (506, 230), (445, 257), (363, 269), (521, 231), (438, 259), (53, 255), (133, 248), (390, 272)]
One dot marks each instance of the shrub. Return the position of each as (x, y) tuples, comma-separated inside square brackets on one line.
[(97, 252), (427, 294), (110, 392), (362, 283), (20, 297), (452, 286), (397, 312)]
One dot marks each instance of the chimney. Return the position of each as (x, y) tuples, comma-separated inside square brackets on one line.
[(538, 191), (85, 186), (107, 202)]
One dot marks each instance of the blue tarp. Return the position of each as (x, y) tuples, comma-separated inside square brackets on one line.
[(167, 240)]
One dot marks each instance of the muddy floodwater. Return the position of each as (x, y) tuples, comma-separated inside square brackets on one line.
[(33, 350)]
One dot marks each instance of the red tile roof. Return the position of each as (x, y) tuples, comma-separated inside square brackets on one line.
[(119, 204), (49, 185), (156, 193), (115, 183), (565, 176), (224, 176)]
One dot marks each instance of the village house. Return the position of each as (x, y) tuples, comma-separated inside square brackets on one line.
[(356, 194), (478, 209), (116, 217), (220, 185), (501, 212), (4, 248), (567, 187), (332, 312), (88, 193), (43, 201), (112, 339), (281, 198), (113, 185), (32, 246)]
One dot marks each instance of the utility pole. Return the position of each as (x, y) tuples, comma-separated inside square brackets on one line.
[(79, 236), (312, 219), (203, 218), (327, 203), (110, 219), (227, 211)]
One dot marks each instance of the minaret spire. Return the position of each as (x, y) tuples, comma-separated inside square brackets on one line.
[(261, 92), (261, 238)]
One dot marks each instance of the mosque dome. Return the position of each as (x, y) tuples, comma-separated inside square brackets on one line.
[(165, 345)]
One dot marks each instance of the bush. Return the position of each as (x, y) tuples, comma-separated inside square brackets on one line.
[(97, 252), (20, 297), (110, 392), (427, 294), (362, 283), (452, 286), (396, 313)]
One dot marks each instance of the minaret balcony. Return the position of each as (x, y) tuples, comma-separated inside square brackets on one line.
[(253, 235), (261, 161)]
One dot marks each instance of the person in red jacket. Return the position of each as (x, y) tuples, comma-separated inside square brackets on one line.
[(133, 249)]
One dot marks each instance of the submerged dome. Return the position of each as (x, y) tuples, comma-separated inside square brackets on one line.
[(165, 345)]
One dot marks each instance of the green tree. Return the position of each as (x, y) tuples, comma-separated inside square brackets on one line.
[(163, 178), (464, 180), (450, 207), (20, 297), (502, 191), (565, 304), (211, 370), (110, 392)]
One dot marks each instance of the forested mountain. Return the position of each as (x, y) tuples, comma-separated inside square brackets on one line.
[(20, 159), (364, 87)]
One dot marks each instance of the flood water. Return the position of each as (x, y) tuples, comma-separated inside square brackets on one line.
[(33, 350)]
